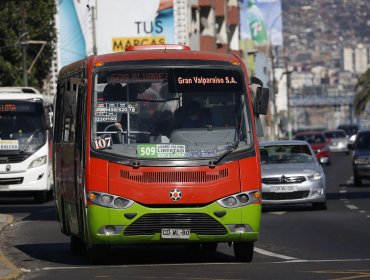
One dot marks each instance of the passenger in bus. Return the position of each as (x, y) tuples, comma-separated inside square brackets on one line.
[(196, 116), (113, 92)]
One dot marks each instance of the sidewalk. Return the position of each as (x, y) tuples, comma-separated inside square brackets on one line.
[(7, 270)]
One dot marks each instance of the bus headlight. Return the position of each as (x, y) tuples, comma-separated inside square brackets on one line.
[(109, 201), (240, 199), (38, 162)]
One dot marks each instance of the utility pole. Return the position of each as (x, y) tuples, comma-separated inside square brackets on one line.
[(23, 44), (93, 18), (288, 86)]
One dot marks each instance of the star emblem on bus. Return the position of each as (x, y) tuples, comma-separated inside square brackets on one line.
[(175, 194)]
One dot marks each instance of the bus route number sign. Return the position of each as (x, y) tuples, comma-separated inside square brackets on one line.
[(175, 233), (102, 142)]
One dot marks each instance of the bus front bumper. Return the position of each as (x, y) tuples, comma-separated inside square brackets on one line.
[(143, 225)]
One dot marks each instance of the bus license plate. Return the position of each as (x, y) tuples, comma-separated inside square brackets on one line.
[(175, 233), (4, 187)]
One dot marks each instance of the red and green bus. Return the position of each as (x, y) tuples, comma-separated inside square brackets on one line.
[(158, 145)]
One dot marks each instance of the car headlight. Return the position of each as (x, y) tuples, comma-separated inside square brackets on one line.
[(314, 177), (38, 162), (109, 201), (361, 160), (240, 199)]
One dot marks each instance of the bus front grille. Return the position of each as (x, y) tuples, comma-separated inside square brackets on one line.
[(11, 181), (200, 224), (12, 158), (175, 176)]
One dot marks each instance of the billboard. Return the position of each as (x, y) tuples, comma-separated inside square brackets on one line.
[(261, 21), (107, 26)]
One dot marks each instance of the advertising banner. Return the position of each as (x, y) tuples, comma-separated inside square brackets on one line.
[(261, 21), (108, 26)]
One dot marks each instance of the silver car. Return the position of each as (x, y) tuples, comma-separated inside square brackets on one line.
[(338, 140), (291, 174)]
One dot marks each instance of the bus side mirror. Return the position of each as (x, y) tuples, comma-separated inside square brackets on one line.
[(261, 101), (51, 117)]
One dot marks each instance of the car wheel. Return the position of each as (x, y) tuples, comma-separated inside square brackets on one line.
[(319, 205), (243, 251), (357, 180)]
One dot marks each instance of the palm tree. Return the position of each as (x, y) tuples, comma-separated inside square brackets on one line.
[(362, 93)]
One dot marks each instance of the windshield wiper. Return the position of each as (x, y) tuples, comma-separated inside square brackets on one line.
[(29, 140), (228, 151)]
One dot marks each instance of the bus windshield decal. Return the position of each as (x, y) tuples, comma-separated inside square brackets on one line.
[(125, 77), (9, 144), (117, 107), (102, 142), (161, 150)]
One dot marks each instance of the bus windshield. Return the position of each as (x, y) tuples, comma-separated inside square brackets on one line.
[(22, 127), (170, 112)]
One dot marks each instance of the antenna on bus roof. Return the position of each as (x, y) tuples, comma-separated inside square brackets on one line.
[(158, 47)]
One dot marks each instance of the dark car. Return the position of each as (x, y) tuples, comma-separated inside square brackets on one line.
[(361, 156), (350, 129), (318, 143)]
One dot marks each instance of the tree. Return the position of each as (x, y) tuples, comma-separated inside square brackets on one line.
[(362, 93), (23, 21)]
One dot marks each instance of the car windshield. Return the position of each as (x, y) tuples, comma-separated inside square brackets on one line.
[(169, 113), (286, 154), (335, 134), (22, 128), (363, 141), (311, 138)]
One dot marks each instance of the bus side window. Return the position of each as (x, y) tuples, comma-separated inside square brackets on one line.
[(69, 116)]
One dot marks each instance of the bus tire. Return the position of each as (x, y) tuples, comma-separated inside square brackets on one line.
[(40, 197), (98, 254), (63, 225), (210, 247), (77, 246), (243, 251)]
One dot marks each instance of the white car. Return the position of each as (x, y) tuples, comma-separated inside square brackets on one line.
[(291, 174)]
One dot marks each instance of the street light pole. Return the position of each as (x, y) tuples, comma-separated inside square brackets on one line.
[(288, 86)]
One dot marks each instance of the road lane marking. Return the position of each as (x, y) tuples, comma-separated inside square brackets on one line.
[(352, 274), (343, 191), (278, 213), (352, 207), (193, 264), (271, 254)]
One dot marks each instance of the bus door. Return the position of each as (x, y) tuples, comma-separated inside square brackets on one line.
[(67, 151)]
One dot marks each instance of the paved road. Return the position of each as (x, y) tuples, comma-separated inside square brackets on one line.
[(295, 243)]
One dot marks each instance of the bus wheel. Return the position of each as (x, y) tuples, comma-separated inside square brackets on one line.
[(210, 247), (243, 251), (40, 197), (98, 254), (77, 246)]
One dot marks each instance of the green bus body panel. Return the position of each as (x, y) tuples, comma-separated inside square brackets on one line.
[(98, 216)]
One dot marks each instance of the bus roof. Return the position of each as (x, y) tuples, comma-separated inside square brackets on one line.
[(19, 89), (156, 52), (24, 96)]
